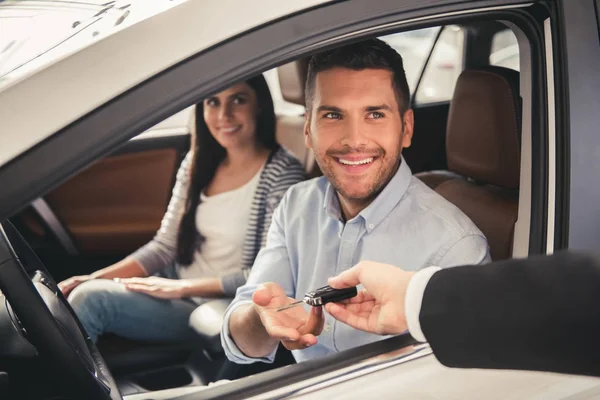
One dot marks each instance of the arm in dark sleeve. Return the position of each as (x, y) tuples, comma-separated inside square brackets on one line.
[(541, 313)]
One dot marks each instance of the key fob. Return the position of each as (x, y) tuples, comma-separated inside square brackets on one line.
[(327, 294)]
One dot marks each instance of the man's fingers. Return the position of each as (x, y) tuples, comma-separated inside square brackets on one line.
[(266, 292), (302, 343), (348, 278), (315, 322), (283, 333), (346, 316), (337, 311), (262, 296), (363, 296)]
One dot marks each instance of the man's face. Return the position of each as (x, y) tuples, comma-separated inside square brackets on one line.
[(356, 131)]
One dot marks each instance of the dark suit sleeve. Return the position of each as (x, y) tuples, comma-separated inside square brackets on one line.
[(541, 313)]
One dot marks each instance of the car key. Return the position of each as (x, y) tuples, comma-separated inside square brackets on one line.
[(322, 296)]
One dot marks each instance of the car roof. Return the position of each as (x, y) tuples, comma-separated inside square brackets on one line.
[(34, 108)]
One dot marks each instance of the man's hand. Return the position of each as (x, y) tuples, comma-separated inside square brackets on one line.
[(379, 308), (295, 328), (161, 288), (68, 285)]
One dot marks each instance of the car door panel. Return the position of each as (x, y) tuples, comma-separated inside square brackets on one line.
[(116, 205), (109, 209)]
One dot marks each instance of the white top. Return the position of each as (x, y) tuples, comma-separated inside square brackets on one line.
[(222, 220)]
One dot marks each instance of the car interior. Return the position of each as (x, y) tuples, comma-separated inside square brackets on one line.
[(466, 147)]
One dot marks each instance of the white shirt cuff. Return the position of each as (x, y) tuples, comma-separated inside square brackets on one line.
[(414, 299)]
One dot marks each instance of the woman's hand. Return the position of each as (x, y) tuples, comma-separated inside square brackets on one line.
[(123, 269), (68, 285), (161, 288)]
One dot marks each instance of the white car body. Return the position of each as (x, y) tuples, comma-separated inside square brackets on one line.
[(77, 84)]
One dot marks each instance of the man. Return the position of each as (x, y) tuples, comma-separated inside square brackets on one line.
[(539, 313), (367, 206)]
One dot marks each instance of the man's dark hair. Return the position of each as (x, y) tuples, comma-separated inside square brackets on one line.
[(368, 54)]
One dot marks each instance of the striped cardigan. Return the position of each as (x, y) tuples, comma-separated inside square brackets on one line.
[(281, 171)]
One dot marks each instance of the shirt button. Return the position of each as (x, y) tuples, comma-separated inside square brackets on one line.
[(371, 226), (327, 328)]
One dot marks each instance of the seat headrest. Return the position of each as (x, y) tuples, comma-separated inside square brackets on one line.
[(292, 78), (484, 127)]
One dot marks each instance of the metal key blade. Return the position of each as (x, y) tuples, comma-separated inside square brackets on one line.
[(289, 306)]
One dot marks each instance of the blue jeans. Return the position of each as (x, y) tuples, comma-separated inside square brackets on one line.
[(105, 306)]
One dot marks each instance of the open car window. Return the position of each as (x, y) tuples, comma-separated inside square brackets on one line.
[(431, 63), (414, 47), (443, 68)]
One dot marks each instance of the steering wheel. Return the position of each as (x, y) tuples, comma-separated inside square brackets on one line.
[(45, 318)]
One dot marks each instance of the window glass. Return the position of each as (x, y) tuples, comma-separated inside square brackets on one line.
[(414, 47), (444, 67), (505, 50)]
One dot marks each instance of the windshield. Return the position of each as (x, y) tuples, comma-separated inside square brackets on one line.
[(34, 34)]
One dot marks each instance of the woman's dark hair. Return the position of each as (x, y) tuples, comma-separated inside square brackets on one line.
[(208, 155)]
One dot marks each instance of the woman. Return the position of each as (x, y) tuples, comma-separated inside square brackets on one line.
[(217, 220)]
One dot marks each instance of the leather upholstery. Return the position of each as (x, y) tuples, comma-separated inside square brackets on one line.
[(483, 131), (483, 150), (290, 134), (493, 209), (290, 128), (292, 77)]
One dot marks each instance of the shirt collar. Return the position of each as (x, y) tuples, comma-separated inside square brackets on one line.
[(383, 204), (331, 203)]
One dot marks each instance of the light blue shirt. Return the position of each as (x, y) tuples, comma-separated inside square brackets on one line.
[(408, 225)]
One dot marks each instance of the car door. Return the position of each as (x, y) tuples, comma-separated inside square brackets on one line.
[(111, 208), (538, 175)]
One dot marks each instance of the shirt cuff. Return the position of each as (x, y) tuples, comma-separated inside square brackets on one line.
[(232, 352), (414, 299)]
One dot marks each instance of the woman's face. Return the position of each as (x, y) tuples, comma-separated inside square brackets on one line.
[(231, 116)]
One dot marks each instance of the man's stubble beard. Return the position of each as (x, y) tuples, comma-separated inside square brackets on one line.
[(381, 180)]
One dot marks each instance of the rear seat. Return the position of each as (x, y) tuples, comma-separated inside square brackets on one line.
[(290, 128)]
